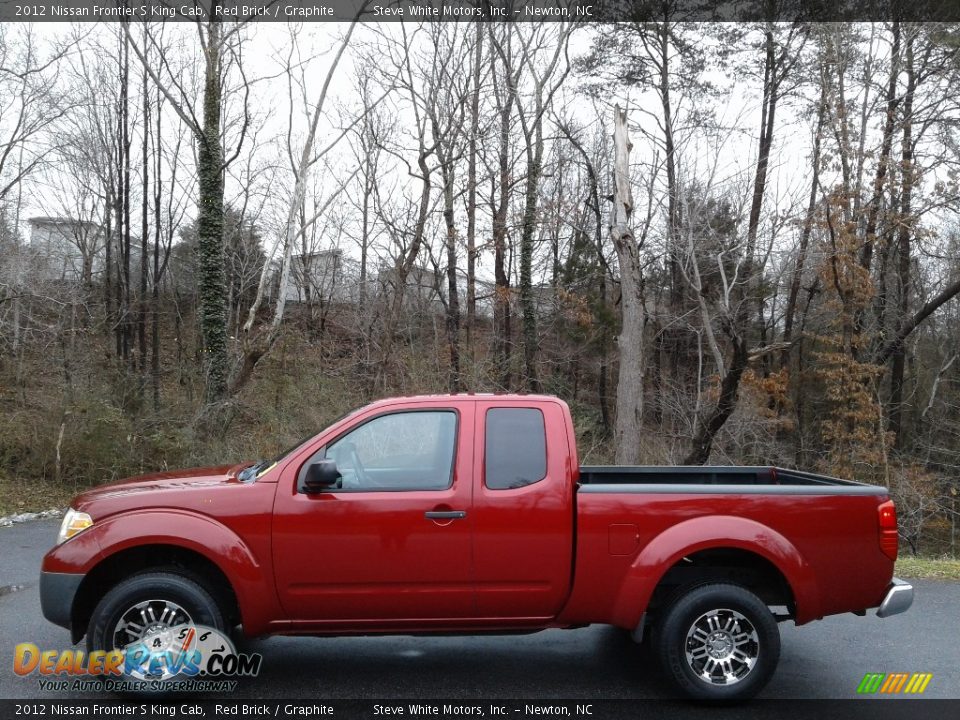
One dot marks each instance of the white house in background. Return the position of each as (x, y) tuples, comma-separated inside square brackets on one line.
[(420, 294), (331, 276), (426, 291), (321, 277), (71, 250), (67, 248)]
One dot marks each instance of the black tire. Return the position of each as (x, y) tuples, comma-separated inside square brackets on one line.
[(718, 642), (189, 595)]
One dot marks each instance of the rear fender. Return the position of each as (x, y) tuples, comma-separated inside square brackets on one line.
[(714, 532)]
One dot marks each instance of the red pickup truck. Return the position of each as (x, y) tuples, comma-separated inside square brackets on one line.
[(471, 514)]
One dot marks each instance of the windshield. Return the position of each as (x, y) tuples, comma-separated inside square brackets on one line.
[(261, 467)]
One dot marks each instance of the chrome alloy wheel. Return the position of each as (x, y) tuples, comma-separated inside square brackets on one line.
[(151, 623), (722, 647)]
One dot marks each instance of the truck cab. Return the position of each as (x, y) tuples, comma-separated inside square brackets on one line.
[(440, 511)]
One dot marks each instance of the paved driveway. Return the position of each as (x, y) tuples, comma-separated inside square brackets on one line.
[(825, 659)]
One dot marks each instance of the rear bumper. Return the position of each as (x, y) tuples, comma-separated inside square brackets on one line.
[(898, 599), (57, 591)]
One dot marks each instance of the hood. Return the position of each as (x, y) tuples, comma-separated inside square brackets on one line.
[(176, 480)]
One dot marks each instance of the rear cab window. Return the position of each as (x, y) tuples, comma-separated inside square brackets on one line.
[(515, 452)]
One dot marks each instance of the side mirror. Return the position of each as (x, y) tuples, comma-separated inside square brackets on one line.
[(320, 476)]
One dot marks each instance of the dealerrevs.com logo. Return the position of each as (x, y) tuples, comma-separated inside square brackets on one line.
[(181, 658)]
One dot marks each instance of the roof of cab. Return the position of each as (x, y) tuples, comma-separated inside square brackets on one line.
[(462, 397)]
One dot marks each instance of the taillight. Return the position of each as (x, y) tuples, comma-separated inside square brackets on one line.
[(888, 529)]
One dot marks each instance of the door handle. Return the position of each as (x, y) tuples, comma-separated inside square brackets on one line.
[(445, 514)]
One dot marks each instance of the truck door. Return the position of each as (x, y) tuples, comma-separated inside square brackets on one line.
[(523, 509), (392, 541)]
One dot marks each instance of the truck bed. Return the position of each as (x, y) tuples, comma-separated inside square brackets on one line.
[(716, 480), (826, 530)]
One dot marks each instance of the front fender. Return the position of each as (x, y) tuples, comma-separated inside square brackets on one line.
[(714, 532), (249, 575)]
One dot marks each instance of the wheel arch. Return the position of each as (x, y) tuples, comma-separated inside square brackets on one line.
[(715, 538), (141, 559), (195, 545)]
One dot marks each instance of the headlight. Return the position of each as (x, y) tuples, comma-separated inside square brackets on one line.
[(73, 522)]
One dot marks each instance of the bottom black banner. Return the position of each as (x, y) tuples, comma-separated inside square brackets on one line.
[(585, 709)]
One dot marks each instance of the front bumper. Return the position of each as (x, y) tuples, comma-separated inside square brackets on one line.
[(57, 592), (899, 598)]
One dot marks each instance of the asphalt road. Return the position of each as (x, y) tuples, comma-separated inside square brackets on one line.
[(826, 659)]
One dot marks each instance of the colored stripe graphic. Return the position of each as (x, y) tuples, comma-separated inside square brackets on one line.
[(900, 683), (894, 683), (923, 679), (870, 683)]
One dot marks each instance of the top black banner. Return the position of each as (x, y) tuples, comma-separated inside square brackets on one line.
[(582, 11)]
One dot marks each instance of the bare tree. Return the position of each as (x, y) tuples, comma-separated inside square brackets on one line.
[(219, 44), (448, 89), (533, 72), (780, 49), (629, 424), (30, 102), (476, 87), (257, 344), (501, 183)]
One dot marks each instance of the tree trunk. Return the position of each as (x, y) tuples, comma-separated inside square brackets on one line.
[(155, 296), (883, 161), (365, 229), (501, 297), (528, 308), (604, 340), (673, 197), (127, 312), (212, 285), (629, 423), (144, 229), (117, 320), (721, 412), (667, 343), (790, 312), (903, 251), (472, 191), (108, 260), (455, 382), (768, 115)]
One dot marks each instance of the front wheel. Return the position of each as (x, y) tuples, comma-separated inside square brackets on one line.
[(152, 610), (718, 642)]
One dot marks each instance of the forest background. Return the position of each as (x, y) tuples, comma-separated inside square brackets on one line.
[(216, 238)]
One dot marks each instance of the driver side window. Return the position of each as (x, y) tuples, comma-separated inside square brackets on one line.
[(401, 451)]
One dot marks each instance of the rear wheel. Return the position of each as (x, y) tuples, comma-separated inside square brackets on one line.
[(718, 642)]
